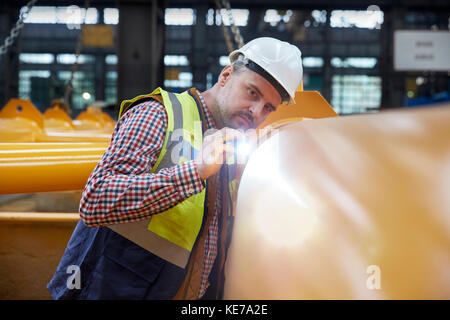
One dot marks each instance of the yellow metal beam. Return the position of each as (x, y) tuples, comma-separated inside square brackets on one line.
[(45, 175), (48, 150), (52, 146), (74, 136), (52, 217)]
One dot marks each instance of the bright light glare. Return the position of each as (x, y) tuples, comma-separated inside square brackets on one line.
[(62, 15), (313, 62), (244, 148), (41, 58), (111, 15), (360, 19), (355, 62), (86, 95), (179, 16), (240, 17), (277, 206), (224, 61)]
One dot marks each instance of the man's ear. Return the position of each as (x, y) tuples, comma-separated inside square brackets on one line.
[(225, 75)]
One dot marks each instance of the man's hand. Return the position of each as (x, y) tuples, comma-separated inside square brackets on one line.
[(214, 151)]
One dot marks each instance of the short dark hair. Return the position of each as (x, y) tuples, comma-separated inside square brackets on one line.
[(239, 64)]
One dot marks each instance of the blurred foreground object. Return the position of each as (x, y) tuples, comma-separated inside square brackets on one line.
[(355, 207)]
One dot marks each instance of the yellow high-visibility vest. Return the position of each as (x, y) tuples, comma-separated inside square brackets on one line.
[(171, 235)]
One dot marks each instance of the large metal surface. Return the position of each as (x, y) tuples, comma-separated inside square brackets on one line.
[(354, 207)]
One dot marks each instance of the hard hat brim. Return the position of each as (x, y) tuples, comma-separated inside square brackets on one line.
[(234, 55)]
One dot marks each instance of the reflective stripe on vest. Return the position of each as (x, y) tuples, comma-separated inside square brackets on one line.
[(171, 235)]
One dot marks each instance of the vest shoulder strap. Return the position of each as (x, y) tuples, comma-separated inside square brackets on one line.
[(128, 104)]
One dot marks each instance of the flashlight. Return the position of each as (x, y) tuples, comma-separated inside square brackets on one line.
[(243, 148)]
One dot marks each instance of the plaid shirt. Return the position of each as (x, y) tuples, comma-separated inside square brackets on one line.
[(122, 189)]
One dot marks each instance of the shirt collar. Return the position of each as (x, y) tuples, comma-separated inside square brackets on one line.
[(208, 116)]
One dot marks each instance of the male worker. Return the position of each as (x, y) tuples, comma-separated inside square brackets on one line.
[(154, 213)]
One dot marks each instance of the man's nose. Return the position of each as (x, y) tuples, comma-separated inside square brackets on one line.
[(257, 110)]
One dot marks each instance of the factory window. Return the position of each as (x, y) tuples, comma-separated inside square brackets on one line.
[(224, 61), (25, 81), (273, 17), (111, 87), (319, 17), (37, 58), (210, 17), (68, 58), (184, 81), (308, 62), (179, 16), (312, 62), (371, 18), (420, 20), (240, 17), (174, 60), (354, 62), (111, 16), (312, 82), (355, 93), (82, 82), (111, 59), (71, 15)]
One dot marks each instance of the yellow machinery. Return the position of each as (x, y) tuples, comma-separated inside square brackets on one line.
[(43, 167), (21, 121), (49, 152), (31, 245), (57, 119), (308, 105), (356, 207), (42, 153), (94, 119)]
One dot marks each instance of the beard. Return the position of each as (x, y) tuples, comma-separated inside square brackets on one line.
[(228, 119), (249, 121), (226, 114)]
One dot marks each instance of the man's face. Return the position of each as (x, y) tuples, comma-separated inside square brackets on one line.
[(245, 99)]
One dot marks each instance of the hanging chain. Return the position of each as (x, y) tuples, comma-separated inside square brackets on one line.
[(237, 34), (79, 47), (15, 31), (226, 34)]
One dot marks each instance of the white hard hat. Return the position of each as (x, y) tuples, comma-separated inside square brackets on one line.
[(281, 60)]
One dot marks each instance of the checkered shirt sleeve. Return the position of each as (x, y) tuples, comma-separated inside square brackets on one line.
[(122, 188)]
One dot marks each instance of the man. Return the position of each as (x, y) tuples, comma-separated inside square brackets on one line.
[(155, 212)]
